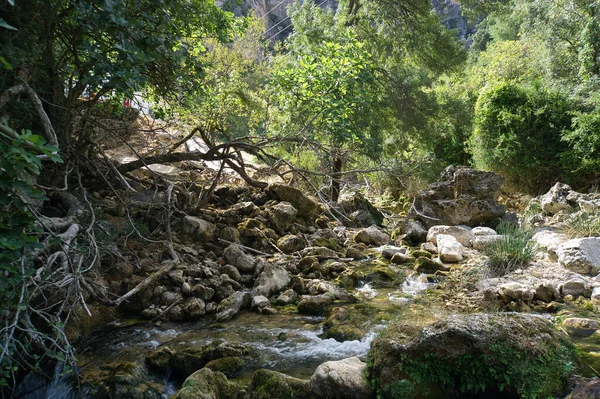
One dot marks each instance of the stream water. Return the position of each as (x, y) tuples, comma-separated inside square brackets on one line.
[(289, 343)]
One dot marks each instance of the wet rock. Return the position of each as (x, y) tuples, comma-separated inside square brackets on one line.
[(287, 297), (459, 347), (194, 308), (429, 266), (555, 200), (186, 289), (236, 256), (580, 327), (160, 360), (587, 389), (450, 249), (291, 243), (461, 233), (268, 384), (372, 236), (272, 280), (230, 365), (357, 251), (282, 216), (208, 384), (315, 304), (187, 360), (231, 306), (232, 272), (461, 196), (307, 208), (259, 301), (198, 229), (515, 292), (401, 258), (342, 379), (121, 380), (581, 255)]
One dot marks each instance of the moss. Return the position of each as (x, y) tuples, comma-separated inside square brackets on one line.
[(330, 243), (268, 384), (344, 332), (418, 253), (229, 365)]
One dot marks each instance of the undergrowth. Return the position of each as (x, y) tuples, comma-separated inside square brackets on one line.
[(512, 251)]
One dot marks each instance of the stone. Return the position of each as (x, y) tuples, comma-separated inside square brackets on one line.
[(580, 255), (576, 287), (359, 210), (586, 389), (390, 251), (450, 249), (481, 242), (319, 253), (429, 266), (291, 243), (341, 379), (186, 289), (457, 348), (203, 292), (231, 271), (230, 365), (415, 231), (555, 200), (231, 306), (269, 384), (259, 301), (271, 280), (545, 291), (207, 384), (461, 196), (401, 258), (372, 236), (551, 240), (483, 231), (515, 292), (194, 308), (429, 247), (198, 229), (235, 255), (307, 208), (287, 297), (580, 327), (461, 233), (282, 216), (315, 304)]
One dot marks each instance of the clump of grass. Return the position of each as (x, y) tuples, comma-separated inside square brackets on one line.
[(583, 223), (511, 252)]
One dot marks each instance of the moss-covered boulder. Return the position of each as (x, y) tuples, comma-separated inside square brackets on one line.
[(208, 384), (126, 380), (268, 384), (185, 361), (517, 354), (429, 266)]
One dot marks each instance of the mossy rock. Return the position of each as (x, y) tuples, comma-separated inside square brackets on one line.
[(315, 305), (208, 384), (429, 266), (126, 380), (160, 360), (268, 384), (418, 253), (519, 355), (230, 365), (188, 360), (331, 243), (344, 332)]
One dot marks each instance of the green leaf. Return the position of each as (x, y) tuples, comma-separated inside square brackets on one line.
[(4, 24)]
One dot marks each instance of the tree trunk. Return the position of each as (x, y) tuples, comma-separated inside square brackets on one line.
[(337, 165)]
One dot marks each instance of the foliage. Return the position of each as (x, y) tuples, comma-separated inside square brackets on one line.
[(517, 133), (584, 140), (19, 166), (512, 251), (583, 223)]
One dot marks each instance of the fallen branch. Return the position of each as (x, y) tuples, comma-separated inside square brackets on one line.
[(39, 108), (256, 251)]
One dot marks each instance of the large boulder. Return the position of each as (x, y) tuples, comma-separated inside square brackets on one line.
[(307, 208), (208, 384), (450, 249), (461, 233), (231, 306), (372, 236), (358, 210), (556, 199), (269, 384), (580, 255), (518, 354), (461, 196), (235, 255), (342, 379), (198, 229)]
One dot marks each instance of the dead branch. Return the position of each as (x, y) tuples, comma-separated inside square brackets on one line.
[(39, 108)]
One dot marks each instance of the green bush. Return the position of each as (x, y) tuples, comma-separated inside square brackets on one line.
[(512, 251), (517, 134)]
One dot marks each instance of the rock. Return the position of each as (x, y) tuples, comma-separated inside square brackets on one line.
[(187, 360), (359, 210), (461, 233), (160, 360), (170, 297), (449, 248), (236, 256), (118, 379), (415, 231), (307, 208), (315, 304), (259, 301), (372, 236), (596, 295), (271, 280), (287, 297), (319, 253), (549, 239), (575, 288), (357, 252), (463, 354), (429, 266), (291, 243), (230, 365), (231, 306), (228, 233), (268, 384), (342, 379), (483, 231), (194, 308), (208, 384), (515, 292), (388, 252), (545, 291), (401, 258), (555, 200), (580, 327), (202, 292), (580, 255), (232, 272), (186, 289), (461, 196), (429, 247), (481, 242), (282, 216), (587, 389), (176, 277), (198, 229)]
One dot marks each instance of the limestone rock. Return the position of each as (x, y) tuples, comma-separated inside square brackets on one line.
[(282, 216), (287, 297), (429, 266), (546, 291), (236, 256), (580, 255), (580, 327), (342, 379), (549, 239), (461, 233), (291, 243), (555, 200), (372, 236), (307, 208), (587, 389), (576, 287), (401, 258), (483, 231), (198, 229), (389, 251), (359, 210), (515, 292), (231, 271), (231, 306), (269, 384), (461, 196), (449, 248), (415, 231), (480, 242), (271, 280), (207, 384), (315, 304), (194, 308), (259, 301)]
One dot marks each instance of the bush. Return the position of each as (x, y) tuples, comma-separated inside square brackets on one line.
[(583, 223), (513, 251), (517, 134)]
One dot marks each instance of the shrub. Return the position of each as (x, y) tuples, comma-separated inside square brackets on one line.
[(583, 223), (512, 251)]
